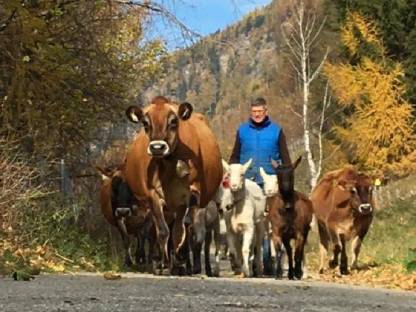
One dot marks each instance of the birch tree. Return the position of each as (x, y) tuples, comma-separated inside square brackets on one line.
[(301, 32)]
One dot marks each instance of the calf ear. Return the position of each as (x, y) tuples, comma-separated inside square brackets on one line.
[(225, 165), (247, 165), (297, 162), (134, 114), (185, 111), (263, 173)]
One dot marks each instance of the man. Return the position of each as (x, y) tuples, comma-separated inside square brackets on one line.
[(261, 140)]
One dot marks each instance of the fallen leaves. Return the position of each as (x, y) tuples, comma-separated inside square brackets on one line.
[(112, 276)]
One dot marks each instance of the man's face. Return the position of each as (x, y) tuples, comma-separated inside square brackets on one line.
[(258, 113)]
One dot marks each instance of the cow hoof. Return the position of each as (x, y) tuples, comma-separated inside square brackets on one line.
[(321, 271), (178, 271), (333, 264), (344, 271), (298, 275), (197, 271), (216, 274)]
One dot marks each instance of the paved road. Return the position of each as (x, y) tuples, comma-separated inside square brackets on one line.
[(140, 292)]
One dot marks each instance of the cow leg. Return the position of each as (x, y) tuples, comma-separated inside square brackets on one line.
[(217, 241), (162, 229), (286, 243), (333, 263), (355, 250), (128, 262), (344, 260), (323, 245), (180, 243), (246, 247), (207, 245)]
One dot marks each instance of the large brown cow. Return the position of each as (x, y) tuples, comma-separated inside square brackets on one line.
[(171, 133), (343, 206)]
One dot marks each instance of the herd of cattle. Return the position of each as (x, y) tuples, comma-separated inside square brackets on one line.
[(173, 190)]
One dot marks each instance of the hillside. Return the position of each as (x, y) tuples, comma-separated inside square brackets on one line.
[(222, 72)]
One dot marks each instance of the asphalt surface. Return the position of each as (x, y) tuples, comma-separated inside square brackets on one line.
[(143, 292)]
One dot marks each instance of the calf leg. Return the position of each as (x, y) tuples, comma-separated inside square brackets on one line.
[(286, 243), (128, 262), (207, 245), (333, 263), (217, 241), (141, 252), (245, 250), (277, 242), (259, 236), (299, 252)]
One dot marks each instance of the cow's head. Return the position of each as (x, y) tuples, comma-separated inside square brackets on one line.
[(357, 192), (160, 120), (270, 186), (286, 180)]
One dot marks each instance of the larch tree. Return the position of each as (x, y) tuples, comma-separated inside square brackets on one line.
[(379, 130)]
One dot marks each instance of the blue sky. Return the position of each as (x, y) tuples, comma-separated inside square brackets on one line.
[(202, 16)]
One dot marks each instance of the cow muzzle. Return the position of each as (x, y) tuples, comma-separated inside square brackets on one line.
[(123, 212), (158, 148), (365, 209)]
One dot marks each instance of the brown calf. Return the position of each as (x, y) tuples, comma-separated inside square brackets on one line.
[(343, 206), (121, 209), (290, 214)]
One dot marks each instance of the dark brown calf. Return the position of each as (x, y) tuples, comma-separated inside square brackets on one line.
[(290, 215), (343, 206), (121, 209)]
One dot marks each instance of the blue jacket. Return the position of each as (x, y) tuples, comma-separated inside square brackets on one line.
[(261, 143)]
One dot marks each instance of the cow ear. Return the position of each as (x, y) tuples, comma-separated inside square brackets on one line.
[(297, 162), (134, 113), (185, 110), (225, 165), (275, 164)]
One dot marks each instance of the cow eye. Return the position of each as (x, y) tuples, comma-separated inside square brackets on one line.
[(174, 123), (146, 125), (353, 190)]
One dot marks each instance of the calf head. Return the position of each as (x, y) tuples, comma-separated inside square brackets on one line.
[(160, 120), (224, 198), (286, 181), (236, 174), (270, 185), (123, 201)]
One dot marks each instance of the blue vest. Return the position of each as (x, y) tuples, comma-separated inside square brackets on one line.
[(261, 143)]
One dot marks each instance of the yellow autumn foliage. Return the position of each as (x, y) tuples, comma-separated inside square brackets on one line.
[(380, 131)]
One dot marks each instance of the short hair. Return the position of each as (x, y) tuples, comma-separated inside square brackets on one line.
[(258, 102)]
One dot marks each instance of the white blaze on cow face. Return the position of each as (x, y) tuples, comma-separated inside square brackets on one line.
[(270, 185)]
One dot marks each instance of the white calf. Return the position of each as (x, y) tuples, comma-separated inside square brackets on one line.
[(245, 202)]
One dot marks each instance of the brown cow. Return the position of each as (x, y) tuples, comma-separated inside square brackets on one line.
[(343, 206), (171, 133), (121, 209), (290, 215)]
